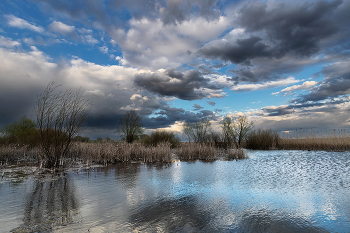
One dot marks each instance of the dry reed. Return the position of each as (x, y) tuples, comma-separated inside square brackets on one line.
[(234, 153), (14, 153), (111, 152), (196, 151), (329, 140)]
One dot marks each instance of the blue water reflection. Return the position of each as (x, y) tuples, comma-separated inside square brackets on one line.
[(272, 191)]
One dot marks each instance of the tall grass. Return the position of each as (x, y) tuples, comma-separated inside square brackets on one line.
[(15, 153), (196, 151), (330, 140), (207, 152), (121, 152), (111, 152), (236, 153)]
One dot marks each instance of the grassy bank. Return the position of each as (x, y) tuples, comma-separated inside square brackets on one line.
[(114, 152)]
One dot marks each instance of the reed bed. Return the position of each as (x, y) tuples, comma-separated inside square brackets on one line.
[(15, 153), (196, 151), (234, 153), (329, 140), (109, 152), (114, 152)]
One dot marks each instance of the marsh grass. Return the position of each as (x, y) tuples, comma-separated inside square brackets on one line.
[(110, 152), (115, 152), (234, 153), (196, 151), (207, 152), (16, 153), (329, 140)]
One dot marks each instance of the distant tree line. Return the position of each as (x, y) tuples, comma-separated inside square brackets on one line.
[(233, 131), (60, 115)]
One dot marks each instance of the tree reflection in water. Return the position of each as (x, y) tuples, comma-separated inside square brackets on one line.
[(49, 204)]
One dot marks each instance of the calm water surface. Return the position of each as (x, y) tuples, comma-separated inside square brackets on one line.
[(272, 191)]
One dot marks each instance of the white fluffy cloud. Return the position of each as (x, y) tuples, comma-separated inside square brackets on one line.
[(150, 43), (265, 85), (305, 85), (13, 21), (8, 42), (61, 28)]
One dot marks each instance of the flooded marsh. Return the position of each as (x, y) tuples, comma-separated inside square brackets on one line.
[(272, 191)]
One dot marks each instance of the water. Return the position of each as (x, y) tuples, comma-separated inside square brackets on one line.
[(272, 191)]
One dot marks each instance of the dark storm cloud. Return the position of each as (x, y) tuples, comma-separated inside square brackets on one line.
[(111, 13), (165, 117), (103, 121), (280, 38), (242, 50), (13, 106), (178, 114), (278, 111), (268, 69), (168, 116), (336, 83), (86, 11), (177, 11), (174, 83), (294, 29), (304, 109)]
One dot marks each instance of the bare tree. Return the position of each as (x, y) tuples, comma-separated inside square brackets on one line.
[(130, 126), (242, 126), (229, 135), (59, 117), (198, 132)]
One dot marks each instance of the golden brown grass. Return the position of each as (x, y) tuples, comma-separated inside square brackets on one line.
[(234, 153), (329, 140), (14, 153), (112, 152), (196, 151), (206, 152)]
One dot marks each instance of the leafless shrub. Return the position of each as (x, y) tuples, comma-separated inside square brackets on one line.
[(130, 126), (198, 132), (60, 116)]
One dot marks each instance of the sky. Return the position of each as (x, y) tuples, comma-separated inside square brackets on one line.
[(284, 64)]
